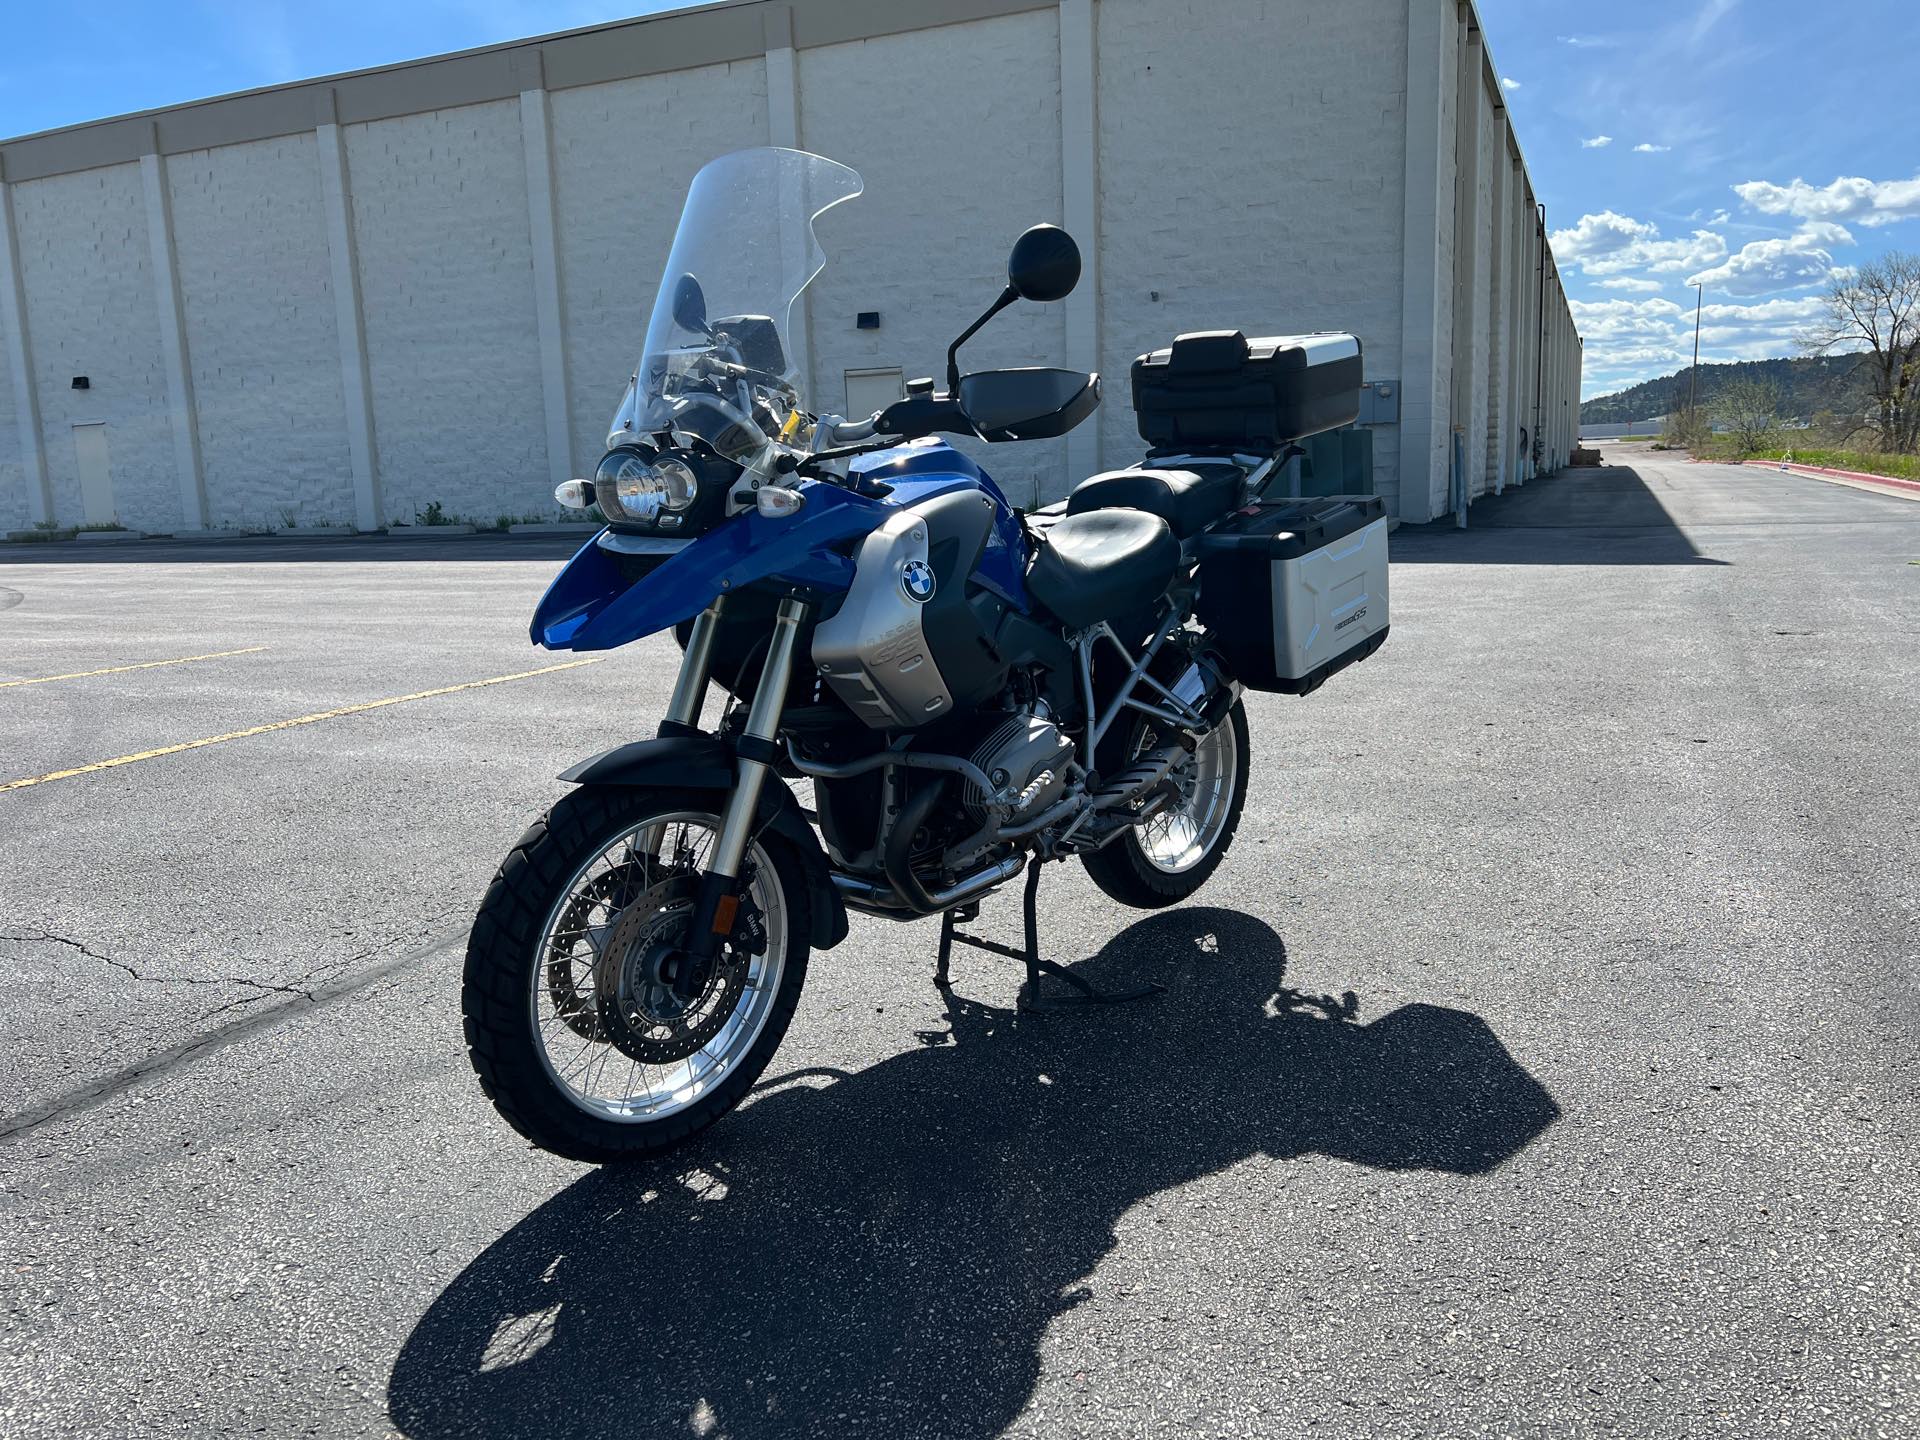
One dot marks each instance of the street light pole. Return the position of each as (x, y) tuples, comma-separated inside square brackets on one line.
[(1693, 380)]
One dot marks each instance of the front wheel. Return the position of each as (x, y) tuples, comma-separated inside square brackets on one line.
[(1169, 856), (577, 1036)]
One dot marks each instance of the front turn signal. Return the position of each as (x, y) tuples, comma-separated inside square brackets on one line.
[(574, 494), (776, 501)]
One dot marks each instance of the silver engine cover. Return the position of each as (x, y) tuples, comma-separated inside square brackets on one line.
[(874, 652), (1027, 757)]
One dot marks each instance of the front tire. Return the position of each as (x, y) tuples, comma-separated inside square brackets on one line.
[(583, 1049), (1169, 857)]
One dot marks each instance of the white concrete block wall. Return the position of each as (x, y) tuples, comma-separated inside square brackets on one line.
[(90, 311), (1228, 184), (1440, 447), (624, 154), (250, 249), (960, 151), (440, 220), (1486, 129), (1253, 162), (15, 507)]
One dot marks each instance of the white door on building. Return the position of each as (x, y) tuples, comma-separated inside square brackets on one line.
[(872, 390), (96, 476)]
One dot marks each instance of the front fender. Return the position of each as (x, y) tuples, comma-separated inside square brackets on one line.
[(706, 762)]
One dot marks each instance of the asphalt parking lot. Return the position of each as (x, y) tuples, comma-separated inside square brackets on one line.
[(1542, 1062)]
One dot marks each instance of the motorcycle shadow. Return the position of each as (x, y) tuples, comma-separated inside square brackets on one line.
[(883, 1253)]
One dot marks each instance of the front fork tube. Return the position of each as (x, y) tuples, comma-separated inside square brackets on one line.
[(690, 689), (718, 901)]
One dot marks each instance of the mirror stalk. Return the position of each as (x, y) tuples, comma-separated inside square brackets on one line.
[(1007, 297)]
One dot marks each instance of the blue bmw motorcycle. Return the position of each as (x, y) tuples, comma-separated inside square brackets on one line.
[(969, 691)]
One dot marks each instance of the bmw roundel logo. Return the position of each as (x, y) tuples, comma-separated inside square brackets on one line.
[(916, 578)]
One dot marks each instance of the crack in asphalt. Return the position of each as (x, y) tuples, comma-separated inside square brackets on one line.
[(47, 937), (296, 1001)]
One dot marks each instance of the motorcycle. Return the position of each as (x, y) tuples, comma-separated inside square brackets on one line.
[(972, 692)]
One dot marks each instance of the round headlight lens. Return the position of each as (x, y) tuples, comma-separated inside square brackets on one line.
[(630, 487), (682, 485)]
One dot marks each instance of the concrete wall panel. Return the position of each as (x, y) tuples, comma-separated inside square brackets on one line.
[(440, 220), (90, 309), (1230, 196), (960, 147), (251, 252)]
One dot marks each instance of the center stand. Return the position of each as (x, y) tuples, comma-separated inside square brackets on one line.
[(1030, 996)]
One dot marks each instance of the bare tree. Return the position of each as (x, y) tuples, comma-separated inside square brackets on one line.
[(1747, 407), (1876, 311)]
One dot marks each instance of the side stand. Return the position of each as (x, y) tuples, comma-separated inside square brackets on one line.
[(1030, 996)]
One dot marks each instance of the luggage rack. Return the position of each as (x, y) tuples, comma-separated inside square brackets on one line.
[(1086, 993)]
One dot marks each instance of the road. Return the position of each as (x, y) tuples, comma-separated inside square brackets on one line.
[(1542, 1062)]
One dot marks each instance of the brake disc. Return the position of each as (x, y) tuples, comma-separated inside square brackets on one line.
[(640, 1011), (579, 1012)]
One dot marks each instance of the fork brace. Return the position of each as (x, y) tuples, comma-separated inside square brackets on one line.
[(1030, 996)]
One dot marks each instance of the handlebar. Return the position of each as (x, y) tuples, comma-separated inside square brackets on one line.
[(849, 432)]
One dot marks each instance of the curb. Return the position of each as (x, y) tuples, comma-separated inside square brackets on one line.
[(107, 537), (428, 532), (311, 532), (1822, 472), (556, 527)]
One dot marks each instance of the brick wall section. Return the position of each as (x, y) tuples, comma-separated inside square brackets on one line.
[(624, 154), (960, 151), (440, 220), (90, 311), (250, 249), (1251, 173)]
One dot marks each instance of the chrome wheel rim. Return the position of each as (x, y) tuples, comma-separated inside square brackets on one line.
[(1181, 835), (635, 868)]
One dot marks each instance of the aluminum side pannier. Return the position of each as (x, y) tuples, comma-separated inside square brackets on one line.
[(1296, 590)]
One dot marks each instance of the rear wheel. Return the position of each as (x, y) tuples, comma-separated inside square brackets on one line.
[(1169, 856), (573, 1025)]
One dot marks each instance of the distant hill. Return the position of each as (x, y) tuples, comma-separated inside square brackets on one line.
[(1807, 385)]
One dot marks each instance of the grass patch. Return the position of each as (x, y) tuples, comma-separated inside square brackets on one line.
[(1869, 462)]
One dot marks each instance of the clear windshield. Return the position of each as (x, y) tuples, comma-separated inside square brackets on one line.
[(721, 363)]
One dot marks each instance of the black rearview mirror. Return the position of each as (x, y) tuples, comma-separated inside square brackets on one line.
[(690, 306), (1045, 264)]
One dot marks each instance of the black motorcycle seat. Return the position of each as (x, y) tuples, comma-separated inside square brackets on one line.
[(1188, 498), (1102, 565)]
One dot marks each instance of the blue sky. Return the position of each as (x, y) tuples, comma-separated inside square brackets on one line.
[(1758, 145), (1755, 145)]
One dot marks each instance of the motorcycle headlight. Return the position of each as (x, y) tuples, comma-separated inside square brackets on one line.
[(633, 487)]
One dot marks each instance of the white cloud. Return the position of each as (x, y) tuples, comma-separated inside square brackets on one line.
[(1627, 282), (1601, 234), (1869, 202), (1507, 82), (1596, 142), (1764, 267), (1609, 244), (1645, 149), (1589, 42), (1632, 340)]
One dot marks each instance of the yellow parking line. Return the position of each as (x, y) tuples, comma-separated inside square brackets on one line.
[(289, 724), (119, 669)]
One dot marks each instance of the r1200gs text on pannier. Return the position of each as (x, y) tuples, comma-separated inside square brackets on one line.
[(971, 692)]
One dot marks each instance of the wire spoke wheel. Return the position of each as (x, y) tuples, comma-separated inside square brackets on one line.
[(592, 1029), (1185, 831), (1168, 856), (614, 1033)]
